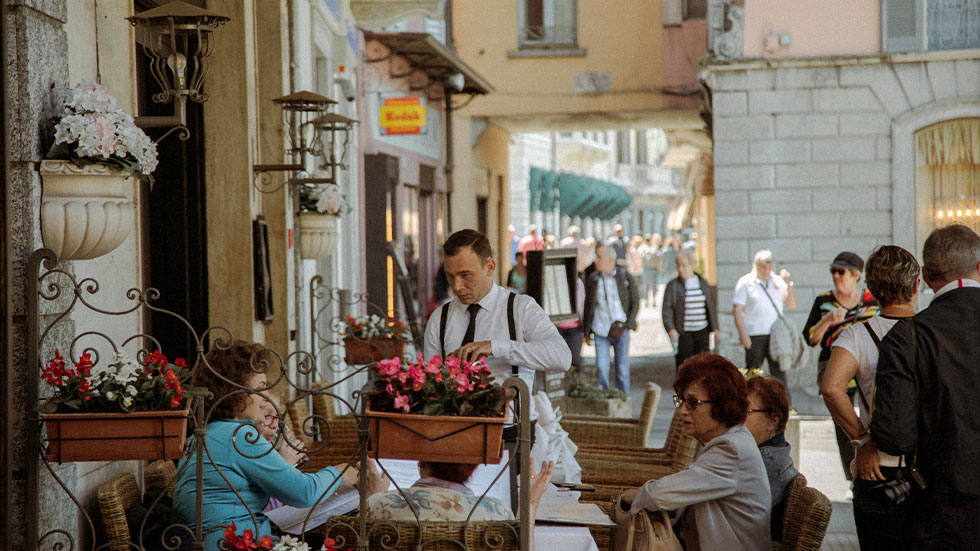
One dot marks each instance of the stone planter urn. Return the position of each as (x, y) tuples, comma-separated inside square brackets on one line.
[(86, 212), (318, 234)]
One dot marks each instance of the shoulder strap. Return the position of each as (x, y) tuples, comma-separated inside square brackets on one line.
[(511, 324), (765, 291), (442, 328), (877, 342)]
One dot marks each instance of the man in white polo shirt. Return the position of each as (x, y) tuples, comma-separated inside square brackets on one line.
[(760, 297)]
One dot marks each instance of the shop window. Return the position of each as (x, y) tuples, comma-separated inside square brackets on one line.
[(548, 23), (913, 25), (948, 156)]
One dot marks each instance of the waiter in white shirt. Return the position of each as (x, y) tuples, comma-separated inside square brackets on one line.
[(477, 322), (477, 326)]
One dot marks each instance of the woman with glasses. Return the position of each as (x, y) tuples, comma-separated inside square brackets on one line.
[(766, 420), (832, 313), (722, 499)]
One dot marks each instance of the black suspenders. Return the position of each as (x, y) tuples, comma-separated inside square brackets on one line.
[(511, 325)]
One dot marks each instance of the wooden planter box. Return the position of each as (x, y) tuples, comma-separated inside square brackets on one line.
[(446, 438), (116, 436), (609, 407), (361, 351)]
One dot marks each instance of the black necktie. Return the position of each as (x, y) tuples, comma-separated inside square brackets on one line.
[(471, 328)]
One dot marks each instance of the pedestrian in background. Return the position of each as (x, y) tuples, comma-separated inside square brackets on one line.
[(619, 244), (652, 267), (611, 302), (689, 312), (668, 251), (926, 395), (583, 250), (893, 277), (532, 241), (634, 262), (833, 312), (517, 278), (760, 297)]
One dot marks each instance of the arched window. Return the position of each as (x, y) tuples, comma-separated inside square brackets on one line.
[(948, 159)]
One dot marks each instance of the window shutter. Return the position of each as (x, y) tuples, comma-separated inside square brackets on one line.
[(901, 25)]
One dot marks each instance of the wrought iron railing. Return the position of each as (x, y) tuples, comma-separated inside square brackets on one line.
[(56, 297)]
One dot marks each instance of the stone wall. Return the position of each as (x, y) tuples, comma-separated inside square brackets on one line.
[(804, 166)]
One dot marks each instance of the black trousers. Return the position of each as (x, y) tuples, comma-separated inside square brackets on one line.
[(689, 344), (759, 352), (878, 528)]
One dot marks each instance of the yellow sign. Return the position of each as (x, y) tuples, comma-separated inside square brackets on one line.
[(402, 116)]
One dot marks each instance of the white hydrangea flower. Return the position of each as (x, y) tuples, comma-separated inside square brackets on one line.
[(127, 401), (289, 543), (131, 390), (110, 395)]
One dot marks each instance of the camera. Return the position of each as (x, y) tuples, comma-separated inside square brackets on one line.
[(908, 482)]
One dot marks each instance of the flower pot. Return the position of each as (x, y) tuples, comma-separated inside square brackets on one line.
[(317, 234), (86, 212), (360, 351), (116, 436), (445, 438), (617, 408)]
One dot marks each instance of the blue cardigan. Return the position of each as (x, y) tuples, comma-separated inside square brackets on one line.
[(255, 478)]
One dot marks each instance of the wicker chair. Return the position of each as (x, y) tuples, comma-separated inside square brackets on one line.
[(805, 519), (678, 451), (439, 536), (162, 473), (115, 497), (590, 429)]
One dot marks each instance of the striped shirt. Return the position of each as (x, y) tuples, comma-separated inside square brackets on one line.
[(695, 306)]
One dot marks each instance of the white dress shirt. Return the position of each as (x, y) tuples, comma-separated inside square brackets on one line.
[(539, 346), (608, 306)]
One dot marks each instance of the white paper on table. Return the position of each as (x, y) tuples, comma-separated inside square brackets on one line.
[(290, 519)]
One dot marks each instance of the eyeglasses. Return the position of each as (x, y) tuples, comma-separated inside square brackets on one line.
[(838, 271), (692, 403), (759, 411)]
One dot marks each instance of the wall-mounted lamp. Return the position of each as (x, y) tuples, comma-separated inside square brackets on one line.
[(300, 111), (178, 39)]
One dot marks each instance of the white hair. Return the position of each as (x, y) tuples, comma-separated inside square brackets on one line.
[(763, 256)]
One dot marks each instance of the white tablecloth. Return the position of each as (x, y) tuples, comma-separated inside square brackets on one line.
[(563, 538)]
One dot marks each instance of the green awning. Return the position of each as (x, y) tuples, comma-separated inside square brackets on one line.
[(544, 189), (589, 197)]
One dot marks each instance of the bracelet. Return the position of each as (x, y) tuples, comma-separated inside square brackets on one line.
[(861, 441)]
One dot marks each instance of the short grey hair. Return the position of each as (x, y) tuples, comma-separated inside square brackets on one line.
[(605, 250), (686, 254), (573, 231), (949, 253), (763, 256)]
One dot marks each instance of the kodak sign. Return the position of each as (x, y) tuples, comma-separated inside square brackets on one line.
[(402, 116)]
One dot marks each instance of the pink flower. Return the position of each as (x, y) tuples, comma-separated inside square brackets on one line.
[(401, 401), (390, 367), (453, 363), (417, 374), (435, 365), (390, 389)]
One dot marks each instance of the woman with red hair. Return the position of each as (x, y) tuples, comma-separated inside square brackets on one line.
[(722, 499)]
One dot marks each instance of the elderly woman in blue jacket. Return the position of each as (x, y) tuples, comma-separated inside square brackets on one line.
[(235, 450)]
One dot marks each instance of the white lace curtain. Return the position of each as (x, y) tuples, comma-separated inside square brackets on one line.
[(949, 165)]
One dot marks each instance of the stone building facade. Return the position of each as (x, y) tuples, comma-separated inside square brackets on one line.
[(817, 156)]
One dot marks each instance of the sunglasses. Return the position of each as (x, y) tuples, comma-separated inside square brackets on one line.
[(838, 271)]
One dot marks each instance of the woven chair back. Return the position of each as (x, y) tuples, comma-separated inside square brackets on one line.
[(115, 497), (436, 536), (162, 474), (806, 518)]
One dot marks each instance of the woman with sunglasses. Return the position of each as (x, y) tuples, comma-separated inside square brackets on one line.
[(766, 420), (722, 499), (832, 313)]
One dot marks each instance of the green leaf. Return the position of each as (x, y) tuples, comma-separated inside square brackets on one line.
[(49, 406), (433, 408)]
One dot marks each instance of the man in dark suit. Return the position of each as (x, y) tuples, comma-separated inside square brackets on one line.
[(927, 387), (612, 299)]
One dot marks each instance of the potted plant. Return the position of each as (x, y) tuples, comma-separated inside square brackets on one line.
[(586, 398), (129, 410), (319, 218), (247, 541), (447, 411), (368, 339), (87, 205)]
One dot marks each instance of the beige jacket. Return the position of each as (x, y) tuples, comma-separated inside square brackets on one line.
[(723, 497)]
